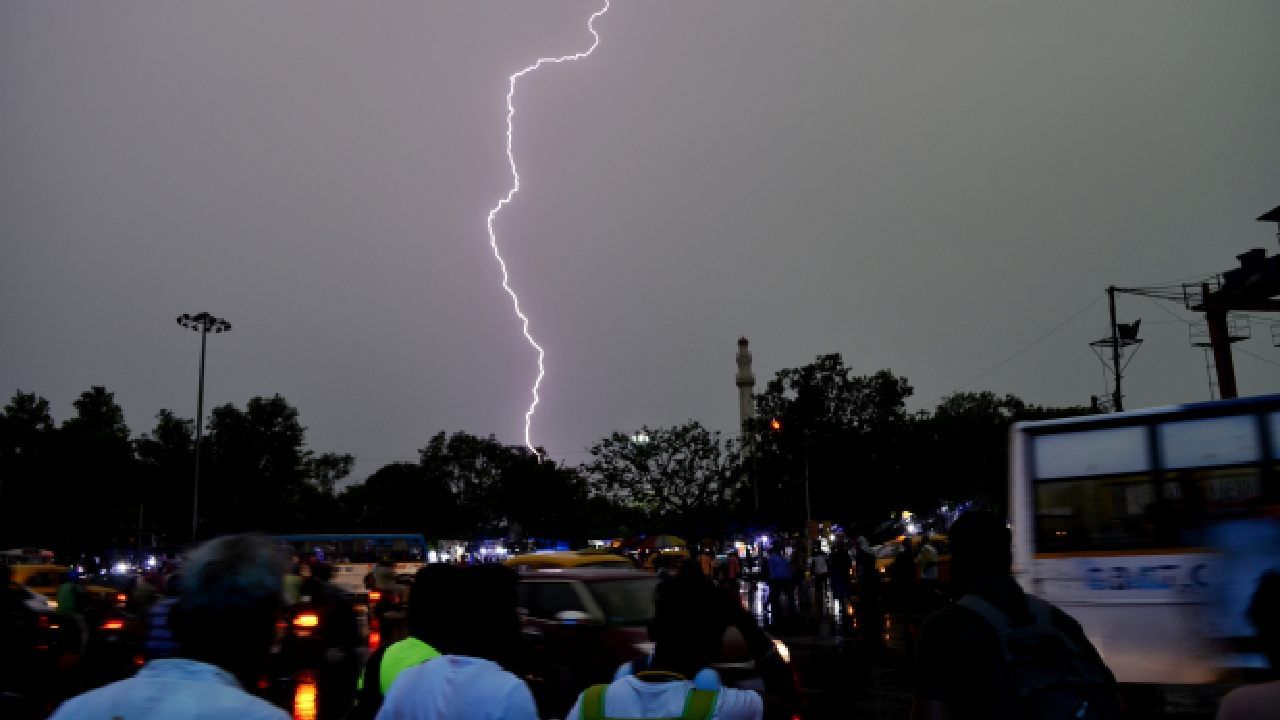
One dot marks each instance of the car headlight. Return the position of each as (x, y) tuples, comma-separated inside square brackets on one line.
[(783, 651)]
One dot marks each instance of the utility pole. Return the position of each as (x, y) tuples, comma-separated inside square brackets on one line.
[(1220, 339), (1121, 336), (1117, 397)]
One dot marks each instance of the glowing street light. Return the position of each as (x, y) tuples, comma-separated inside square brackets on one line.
[(203, 323), (776, 426)]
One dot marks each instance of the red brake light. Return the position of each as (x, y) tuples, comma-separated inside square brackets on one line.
[(375, 595), (375, 640), (121, 598), (113, 624)]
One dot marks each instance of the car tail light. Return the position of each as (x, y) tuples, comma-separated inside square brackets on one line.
[(113, 624), (375, 596), (305, 622), (304, 697), (121, 598), (375, 640), (42, 622)]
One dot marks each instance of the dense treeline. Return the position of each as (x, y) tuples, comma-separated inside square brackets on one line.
[(89, 483)]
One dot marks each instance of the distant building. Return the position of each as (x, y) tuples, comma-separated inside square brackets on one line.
[(746, 382)]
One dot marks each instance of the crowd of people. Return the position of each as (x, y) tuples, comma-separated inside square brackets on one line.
[(995, 652), (214, 641), (803, 579)]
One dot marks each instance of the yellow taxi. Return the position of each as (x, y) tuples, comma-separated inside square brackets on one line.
[(886, 553), (45, 578), (565, 559)]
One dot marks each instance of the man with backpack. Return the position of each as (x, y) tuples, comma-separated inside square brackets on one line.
[(1000, 653), (676, 683), (433, 612)]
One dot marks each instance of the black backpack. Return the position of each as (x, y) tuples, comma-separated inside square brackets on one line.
[(1046, 675)]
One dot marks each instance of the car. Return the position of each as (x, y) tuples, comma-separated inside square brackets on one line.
[(44, 620), (46, 578), (568, 559), (887, 552), (589, 620), (587, 623)]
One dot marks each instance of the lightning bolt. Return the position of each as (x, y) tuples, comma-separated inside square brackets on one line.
[(506, 200)]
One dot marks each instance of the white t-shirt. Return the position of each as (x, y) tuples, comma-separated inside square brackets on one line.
[(171, 689), (456, 687), (1251, 702), (819, 564), (631, 697)]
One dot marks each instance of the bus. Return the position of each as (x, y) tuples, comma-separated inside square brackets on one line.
[(354, 555), (1151, 528)]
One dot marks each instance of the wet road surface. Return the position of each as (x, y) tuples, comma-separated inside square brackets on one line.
[(846, 671)]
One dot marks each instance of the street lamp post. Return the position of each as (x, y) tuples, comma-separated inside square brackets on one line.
[(203, 323), (776, 426)]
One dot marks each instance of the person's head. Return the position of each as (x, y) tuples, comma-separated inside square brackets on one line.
[(322, 571), (980, 547), (232, 592), (1264, 615), (488, 620), (434, 602), (689, 621)]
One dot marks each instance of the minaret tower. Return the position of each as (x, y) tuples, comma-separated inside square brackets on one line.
[(746, 403)]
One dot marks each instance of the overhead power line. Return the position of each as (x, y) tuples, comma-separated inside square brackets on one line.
[(1031, 344), (1258, 357)]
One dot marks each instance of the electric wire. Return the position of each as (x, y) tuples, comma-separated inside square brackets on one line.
[(1032, 344), (1257, 357)]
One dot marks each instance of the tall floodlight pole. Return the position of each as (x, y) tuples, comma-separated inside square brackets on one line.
[(203, 323)]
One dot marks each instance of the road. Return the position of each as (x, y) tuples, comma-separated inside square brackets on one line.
[(846, 673)]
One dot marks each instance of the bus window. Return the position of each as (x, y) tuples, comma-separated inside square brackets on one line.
[(1109, 513), (1209, 442), (1215, 488), (1095, 452)]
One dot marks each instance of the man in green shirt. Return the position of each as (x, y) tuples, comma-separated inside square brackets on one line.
[(430, 623)]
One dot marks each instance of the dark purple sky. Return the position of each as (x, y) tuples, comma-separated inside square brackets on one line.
[(923, 186)]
